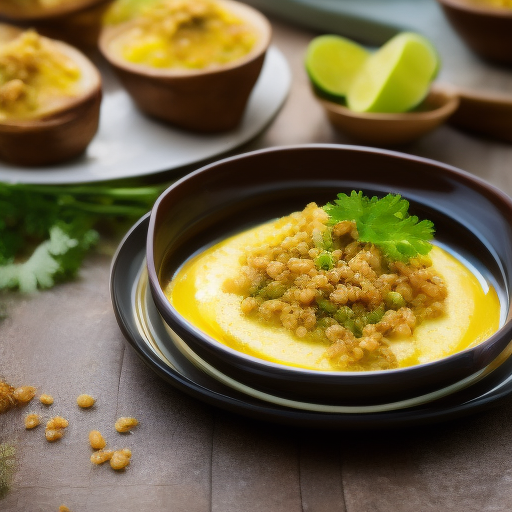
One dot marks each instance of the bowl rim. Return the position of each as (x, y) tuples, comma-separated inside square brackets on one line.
[(476, 8), (110, 32), (504, 330)]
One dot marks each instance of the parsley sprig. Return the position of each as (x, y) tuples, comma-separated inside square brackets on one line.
[(385, 223), (45, 231)]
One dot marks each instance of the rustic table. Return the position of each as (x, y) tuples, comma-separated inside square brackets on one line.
[(188, 456)]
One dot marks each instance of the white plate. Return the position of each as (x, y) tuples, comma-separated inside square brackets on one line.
[(129, 144)]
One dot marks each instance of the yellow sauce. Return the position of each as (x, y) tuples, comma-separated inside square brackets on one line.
[(35, 77), (186, 34), (472, 313)]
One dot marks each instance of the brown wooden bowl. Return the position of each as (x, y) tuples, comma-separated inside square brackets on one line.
[(77, 22), (207, 100), (486, 29), (54, 135), (383, 129), (484, 113)]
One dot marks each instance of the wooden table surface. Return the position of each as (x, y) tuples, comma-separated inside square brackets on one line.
[(191, 457)]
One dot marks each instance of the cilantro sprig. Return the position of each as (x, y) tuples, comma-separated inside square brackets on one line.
[(46, 231), (385, 223)]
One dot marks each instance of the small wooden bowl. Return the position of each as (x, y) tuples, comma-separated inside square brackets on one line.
[(207, 100), (77, 23), (484, 113), (392, 129), (54, 135), (487, 30)]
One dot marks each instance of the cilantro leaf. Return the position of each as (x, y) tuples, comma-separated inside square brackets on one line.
[(45, 231), (385, 223)]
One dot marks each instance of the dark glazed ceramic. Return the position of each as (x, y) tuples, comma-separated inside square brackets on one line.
[(206, 100), (471, 217), (183, 375), (486, 29)]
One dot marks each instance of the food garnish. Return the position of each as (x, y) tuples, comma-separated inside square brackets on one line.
[(96, 440), (126, 424), (85, 401), (395, 78), (385, 223), (55, 428), (46, 231), (46, 399), (32, 421)]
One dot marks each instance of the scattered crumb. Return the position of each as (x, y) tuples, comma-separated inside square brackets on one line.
[(55, 428), (24, 394), (96, 439), (32, 421), (120, 459), (63, 508), (125, 424), (85, 401), (53, 434), (101, 456), (46, 399), (7, 399)]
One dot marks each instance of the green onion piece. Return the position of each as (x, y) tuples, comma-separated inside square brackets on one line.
[(324, 261), (343, 314), (327, 306), (394, 300)]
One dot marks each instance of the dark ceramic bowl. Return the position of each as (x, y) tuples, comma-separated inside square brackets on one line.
[(471, 217), (485, 28)]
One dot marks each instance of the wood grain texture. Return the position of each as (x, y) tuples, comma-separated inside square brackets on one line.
[(189, 457)]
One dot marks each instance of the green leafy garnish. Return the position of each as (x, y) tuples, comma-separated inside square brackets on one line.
[(45, 231), (385, 223)]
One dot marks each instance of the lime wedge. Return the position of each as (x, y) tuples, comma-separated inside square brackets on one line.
[(397, 77), (332, 62)]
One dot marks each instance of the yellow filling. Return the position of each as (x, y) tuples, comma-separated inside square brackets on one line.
[(472, 314), (190, 34), (34, 77)]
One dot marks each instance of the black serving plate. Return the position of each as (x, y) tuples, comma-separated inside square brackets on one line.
[(180, 372)]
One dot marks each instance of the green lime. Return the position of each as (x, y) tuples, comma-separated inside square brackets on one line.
[(397, 77), (332, 62)]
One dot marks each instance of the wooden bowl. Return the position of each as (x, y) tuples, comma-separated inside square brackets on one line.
[(54, 135), (77, 22), (472, 219), (206, 100), (392, 129), (484, 113), (486, 29)]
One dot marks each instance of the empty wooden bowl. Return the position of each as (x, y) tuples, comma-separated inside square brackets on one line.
[(77, 22), (484, 113), (54, 134), (211, 99), (383, 129), (484, 27)]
